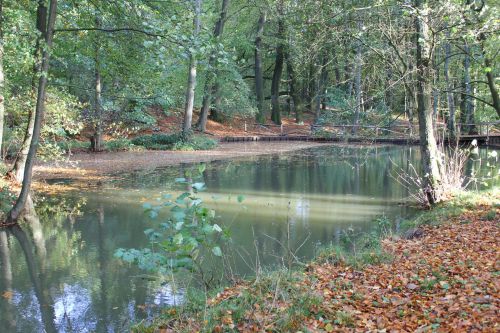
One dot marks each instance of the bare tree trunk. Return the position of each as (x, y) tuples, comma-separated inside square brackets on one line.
[(357, 85), (259, 80), (188, 110), (491, 84), (278, 70), (15, 212), (431, 158), (468, 101), (294, 92), (320, 87), (96, 139), (2, 81), (449, 87), (17, 171), (209, 87)]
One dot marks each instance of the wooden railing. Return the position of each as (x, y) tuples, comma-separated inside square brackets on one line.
[(484, 129)]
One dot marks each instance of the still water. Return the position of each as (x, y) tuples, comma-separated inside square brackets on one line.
[(59, 275)]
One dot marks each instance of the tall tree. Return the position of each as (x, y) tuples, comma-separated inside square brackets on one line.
[(278, 66), (16, 211), (467, 100), (96, 139), (2, 81), (449, 85), (357, 83), (431, 157), (188, 109), (212, 75), (17, 171), (259, 79)]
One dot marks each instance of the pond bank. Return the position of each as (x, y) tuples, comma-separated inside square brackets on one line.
[(445, 278), (96, 166)]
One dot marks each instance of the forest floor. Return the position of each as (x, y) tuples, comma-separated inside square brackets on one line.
[(445, 279), (97, 166)]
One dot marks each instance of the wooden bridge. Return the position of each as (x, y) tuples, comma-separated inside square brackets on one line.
[(486, 133)]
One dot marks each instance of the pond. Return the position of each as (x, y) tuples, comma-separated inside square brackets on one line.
[(60, 274)]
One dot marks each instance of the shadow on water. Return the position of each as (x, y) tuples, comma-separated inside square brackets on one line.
[(58, 273)]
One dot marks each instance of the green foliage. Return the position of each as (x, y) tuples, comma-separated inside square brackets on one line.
[(7, 199), (157, 141), (186, 239), (118, 144), (174, 141), (196, 142)]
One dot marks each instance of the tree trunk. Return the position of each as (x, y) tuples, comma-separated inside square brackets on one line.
[(294, 92), (2, 83), (431, 158), (468, 101), (278, 69), (491, 84), (188, 110), (449, 88), (357, 86), (320, 87), (15, 212), (17, 171), (259, 80), (96, 139), (209, 88)]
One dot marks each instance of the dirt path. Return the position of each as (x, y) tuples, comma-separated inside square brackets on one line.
[(87, 166)]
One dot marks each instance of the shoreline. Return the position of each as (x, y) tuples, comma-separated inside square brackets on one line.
[(444, 277), (111, 163)]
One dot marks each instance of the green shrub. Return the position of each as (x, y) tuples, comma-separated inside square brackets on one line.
[(118, 144), (175, 142), (157, 141), (195, 143)]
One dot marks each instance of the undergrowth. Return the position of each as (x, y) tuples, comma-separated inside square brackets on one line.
[(218, 310)]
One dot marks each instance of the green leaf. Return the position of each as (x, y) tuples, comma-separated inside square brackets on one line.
[(240, 198), (217, 251), (178, 239)]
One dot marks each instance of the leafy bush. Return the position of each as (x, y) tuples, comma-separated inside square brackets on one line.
[(118, 144), (157, 141), (195, 143), (189, 237), (174, 141)]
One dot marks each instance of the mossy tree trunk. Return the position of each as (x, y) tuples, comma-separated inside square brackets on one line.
[(431, 156)]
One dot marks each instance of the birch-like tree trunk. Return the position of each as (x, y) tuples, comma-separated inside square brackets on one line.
[(259, 79), (15, 212), (449, 87), (431, 157), (191, 86), (96, 139), (357, 85), (468, 101), (278, 69)]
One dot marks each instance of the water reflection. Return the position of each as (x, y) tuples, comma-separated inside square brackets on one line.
[(58, 274)]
